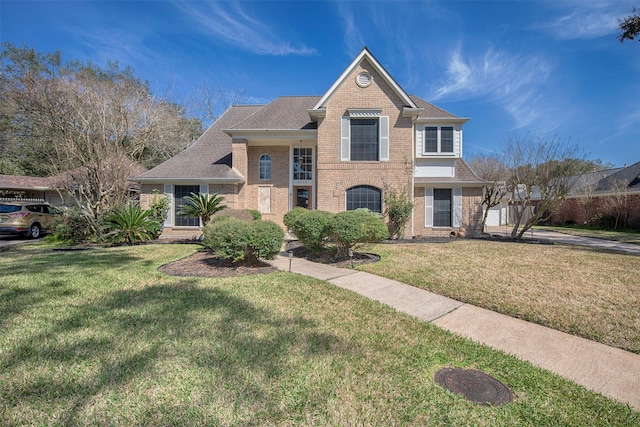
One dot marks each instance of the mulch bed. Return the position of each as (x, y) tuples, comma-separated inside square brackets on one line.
[(204, 264)]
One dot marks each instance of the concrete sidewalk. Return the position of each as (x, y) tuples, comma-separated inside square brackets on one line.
[(610, 371)]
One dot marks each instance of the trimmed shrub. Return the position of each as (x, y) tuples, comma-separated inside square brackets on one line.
[(350, 228), (242, 241), (292, 216), (267, 239), (241, 214), (310, 227), (257, 216)]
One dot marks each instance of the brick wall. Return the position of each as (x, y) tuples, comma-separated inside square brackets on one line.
[(334, 176), (146, 194), (471, 214), (580, 210), (278, 185)]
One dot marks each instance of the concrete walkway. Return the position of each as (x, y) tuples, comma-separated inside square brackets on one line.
[(610, 371)]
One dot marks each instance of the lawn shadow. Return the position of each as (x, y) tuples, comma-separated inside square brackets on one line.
[(127, 333)]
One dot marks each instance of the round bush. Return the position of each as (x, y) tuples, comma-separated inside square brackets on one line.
[(228, 238), (349, 228), (242, 241), (292, 216), (310, 227), (267, 239)]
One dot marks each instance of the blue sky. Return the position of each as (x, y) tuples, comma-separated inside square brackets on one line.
[(545, 67)]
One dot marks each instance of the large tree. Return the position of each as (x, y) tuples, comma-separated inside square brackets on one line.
[(93, 124), (542, 174), (630, 26)]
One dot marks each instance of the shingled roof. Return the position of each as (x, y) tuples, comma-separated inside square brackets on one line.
[(209, 158)]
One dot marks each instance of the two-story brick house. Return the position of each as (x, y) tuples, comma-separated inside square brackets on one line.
[(334, 152)]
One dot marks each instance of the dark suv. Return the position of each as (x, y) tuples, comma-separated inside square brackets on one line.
[(26, 217)]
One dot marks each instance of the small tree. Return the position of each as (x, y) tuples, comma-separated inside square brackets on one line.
[(398, 208), (202, 206), (543, 166), (496, 173)]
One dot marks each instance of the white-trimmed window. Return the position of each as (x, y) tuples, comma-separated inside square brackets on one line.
[(302, 164), (438, 139), (264, 168), (364, 136), (443, 207)]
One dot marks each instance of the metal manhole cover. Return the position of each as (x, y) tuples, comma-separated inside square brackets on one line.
[(475, 386)]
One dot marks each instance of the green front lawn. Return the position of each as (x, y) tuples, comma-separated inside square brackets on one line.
[(578, 290), (100, 337)]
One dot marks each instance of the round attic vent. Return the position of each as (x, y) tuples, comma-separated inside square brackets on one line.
[(363, 79)]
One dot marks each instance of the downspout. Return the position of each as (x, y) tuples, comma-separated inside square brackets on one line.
[(413, 173)]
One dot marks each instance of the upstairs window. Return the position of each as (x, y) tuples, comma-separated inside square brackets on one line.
[(264, 168), (364, 136), (364, 139), (438, 139), (302, 164)]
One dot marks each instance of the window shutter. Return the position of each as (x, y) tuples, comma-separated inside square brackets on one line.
[(428, 207), (457, 207), (345, 139), (204, 188), (384, 138), (168, 192)]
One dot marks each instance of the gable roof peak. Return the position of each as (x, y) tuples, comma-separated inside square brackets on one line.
[(365, 54)]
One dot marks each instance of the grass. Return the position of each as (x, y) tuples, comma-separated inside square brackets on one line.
[(100, 337), (618, 235), (578, 290)]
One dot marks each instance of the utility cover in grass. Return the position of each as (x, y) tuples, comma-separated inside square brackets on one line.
[(475, 386)]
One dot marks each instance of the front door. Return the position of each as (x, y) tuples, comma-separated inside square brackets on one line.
[(302, 197)]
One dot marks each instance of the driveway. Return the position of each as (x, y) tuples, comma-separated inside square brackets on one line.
[(554, 236), (6, 241)]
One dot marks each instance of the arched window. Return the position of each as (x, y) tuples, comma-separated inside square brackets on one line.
[(265, 167), (364, 196)]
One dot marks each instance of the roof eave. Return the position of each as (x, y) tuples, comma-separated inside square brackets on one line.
[(186, 180), (460, 120)]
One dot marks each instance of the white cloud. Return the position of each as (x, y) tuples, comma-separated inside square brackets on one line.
[(585, 20), (513, 82), (353, 38), (230, 23)]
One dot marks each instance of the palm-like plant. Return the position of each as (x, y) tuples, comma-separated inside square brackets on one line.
[(130, 224), (202, 206)]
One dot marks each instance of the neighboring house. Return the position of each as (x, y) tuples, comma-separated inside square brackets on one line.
[(54, 189), (28, 187), (601, 193), (338, 151)]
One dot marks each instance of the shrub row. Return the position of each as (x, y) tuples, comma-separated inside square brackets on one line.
[(318, 229)]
